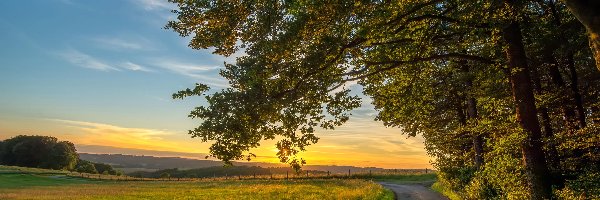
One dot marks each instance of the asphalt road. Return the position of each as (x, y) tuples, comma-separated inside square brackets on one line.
[(413, 192)]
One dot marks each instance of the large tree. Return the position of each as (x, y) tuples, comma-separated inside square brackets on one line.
[(304, 53), (456, 72), (588, 12)]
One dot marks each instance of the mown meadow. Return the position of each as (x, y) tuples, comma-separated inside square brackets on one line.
[(27, 183)]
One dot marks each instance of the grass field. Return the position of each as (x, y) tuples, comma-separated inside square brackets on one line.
[(422, 179), (40, 184)]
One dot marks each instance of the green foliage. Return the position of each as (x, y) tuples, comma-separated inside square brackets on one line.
[(64, 156), (165, 175), (38, 151), (583, 163), (503, 175), (84, 166), (444, 190), (433, 68), (104, 168)]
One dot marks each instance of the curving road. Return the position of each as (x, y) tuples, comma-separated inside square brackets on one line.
[(413, 192)]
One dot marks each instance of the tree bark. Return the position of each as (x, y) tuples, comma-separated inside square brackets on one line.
[(472, 115), (548, 134), (533, 154), (543, 110), (575, 89), (588, 13), (557, 79), (477, 138), (550, 60)]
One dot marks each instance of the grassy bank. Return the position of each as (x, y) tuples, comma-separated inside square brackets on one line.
[(444, 190)]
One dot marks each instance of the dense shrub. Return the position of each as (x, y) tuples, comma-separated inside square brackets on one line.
[(38, 151), (84, 166), (105, 169)]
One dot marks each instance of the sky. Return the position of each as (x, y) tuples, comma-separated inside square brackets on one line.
[(101, 73)]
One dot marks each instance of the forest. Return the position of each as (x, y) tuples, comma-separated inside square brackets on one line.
[(505, 92)]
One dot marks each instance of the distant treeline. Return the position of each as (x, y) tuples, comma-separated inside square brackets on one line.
[(217, 171), (48, 153), (151, 163)]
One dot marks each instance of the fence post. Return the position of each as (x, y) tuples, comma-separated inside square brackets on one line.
[(426, 170), (348, 173), (306, 174), (287, 174), (327, 174)]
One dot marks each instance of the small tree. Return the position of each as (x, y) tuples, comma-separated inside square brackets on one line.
[(84, 166), (101, 167), (165, 175)]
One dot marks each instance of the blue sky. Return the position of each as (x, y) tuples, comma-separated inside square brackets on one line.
[(102, 73)]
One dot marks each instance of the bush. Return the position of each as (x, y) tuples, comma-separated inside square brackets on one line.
[(105, 168), (84, 166), (503, 175), (38, 151), (165, 175)]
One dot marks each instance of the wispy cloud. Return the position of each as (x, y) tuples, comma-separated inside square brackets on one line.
[(135, 67), (155, 4), (202, 73), (120, 44), (91, 133), (132, 151), (84, 60)]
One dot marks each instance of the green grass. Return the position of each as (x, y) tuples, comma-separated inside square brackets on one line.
[(26, 170), (422, 179), (31, 180), (265, 189), (442, 189), (30, 185)]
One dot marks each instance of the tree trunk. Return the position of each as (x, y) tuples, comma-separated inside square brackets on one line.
[(588, 13), (546, 122), (548, 134), (472, 115), (533, 154), (477, 138), (557, 79), (575, 89)]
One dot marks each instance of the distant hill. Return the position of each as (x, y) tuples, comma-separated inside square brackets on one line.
[(156, 163), (218, 172), (130, 163)]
